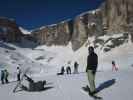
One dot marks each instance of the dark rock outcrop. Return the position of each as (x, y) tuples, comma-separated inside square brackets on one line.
[(9, 30)]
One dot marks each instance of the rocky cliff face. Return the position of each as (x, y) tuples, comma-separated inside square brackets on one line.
[(58, 34), (9, 30), (118, 16), (75, 31), (112, 17), (86, 25)]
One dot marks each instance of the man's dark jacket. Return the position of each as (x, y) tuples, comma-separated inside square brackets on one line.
[(92, 61)]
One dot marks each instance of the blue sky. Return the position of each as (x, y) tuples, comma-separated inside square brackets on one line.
[(32, 14)]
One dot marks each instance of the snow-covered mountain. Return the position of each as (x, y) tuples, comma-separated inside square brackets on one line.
[(112, 17), (24, 31)]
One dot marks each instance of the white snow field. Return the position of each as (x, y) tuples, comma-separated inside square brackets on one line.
[(114, 85), (45, 62)]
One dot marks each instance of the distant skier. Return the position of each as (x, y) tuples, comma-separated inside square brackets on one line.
[(114, 66), (33, 86), (18, 73), (2, 76), (92, 62), (68, 70), (76, 67), (62, 71), (6, 76)]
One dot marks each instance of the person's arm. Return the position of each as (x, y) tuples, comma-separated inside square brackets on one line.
[(96, 64), (29, 79), (96, 60), (87, 63)]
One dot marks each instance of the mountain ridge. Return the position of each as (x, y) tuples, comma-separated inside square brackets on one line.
[(110, 18)]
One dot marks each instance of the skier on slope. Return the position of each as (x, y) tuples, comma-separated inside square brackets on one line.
[(2, 76), (76, 68), (114, 66), (18, 73), (92, 62), (33, 86), (62, 71), (6, 76), (68, 70)]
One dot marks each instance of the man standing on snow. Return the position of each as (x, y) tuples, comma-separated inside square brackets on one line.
[(2, 76), (68, 70), (18, 73), (92, 62), (76, 68), (6, 76)]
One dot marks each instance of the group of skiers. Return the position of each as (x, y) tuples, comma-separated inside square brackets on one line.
[(5, 75), (68, 69)]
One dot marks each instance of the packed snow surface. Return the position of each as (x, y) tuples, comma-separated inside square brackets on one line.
[(113, 86), (44, 62)]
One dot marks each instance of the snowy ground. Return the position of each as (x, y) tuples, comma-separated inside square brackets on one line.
[(48, 60), (45, 62), (114, 85)]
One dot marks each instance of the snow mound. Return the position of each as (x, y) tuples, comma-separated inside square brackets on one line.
[(24, 31)]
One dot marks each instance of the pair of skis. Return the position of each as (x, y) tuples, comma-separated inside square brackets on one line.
[(95, 97)]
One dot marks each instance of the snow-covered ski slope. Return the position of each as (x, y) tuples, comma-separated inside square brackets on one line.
[(113, 86), (48, 60), (45, 62)]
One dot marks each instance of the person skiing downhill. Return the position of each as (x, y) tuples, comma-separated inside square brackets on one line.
[(92, 62)]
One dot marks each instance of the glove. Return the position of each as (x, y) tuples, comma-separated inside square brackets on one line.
[(93, 72), (86, 70)]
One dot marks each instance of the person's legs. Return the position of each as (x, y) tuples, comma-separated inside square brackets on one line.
[(91, 79), (24, 88), (29, 79), (69, 71), (77, 70), (2, 80), (116, 69), (18, 77), (6, 80)]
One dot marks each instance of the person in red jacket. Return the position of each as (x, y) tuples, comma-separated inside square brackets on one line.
[(114, 66)]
